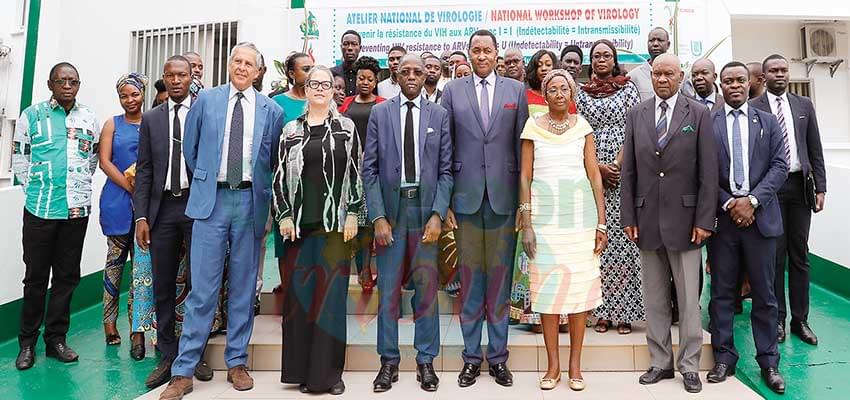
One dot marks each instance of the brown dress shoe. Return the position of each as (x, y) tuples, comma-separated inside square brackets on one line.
[(240, 379), (177, 387)]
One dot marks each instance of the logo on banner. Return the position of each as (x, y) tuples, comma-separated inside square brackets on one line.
[(309, 31), (696, 48)]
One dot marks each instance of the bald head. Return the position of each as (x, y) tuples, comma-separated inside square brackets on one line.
[(756, 79), (667, 75), (703, 76), (514, 64)]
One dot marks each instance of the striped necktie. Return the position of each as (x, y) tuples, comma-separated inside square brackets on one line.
[(781, 117), (661, 126)]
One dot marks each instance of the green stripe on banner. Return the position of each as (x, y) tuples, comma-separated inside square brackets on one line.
[(29, 56), (829, 275), (296, 3)]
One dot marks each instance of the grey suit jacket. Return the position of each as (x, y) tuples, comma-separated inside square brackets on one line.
[(667, 192)]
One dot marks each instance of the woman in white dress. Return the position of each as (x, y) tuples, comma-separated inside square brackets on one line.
[(562, 218)]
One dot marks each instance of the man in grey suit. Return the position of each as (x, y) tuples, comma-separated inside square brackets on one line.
[(670, 163), (486, 114)]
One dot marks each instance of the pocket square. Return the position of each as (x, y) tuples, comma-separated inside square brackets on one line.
[(510, 106), (688, 129), (430, 130)]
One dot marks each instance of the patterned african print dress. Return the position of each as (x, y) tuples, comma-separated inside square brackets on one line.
[(620, 268)]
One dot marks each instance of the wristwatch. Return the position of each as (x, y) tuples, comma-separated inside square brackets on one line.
[(753, 200)]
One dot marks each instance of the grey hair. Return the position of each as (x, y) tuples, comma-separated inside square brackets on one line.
[(562, 73), (321, 68), (247, 45)]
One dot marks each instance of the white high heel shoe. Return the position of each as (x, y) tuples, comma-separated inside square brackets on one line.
[(550, 383)]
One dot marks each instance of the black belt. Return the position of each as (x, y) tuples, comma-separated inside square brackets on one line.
[(409, 192), (240, 186)]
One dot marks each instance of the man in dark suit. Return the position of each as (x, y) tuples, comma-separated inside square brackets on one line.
[(667, 198), (752, 168), (162, 190), (232, 132), (487, 114), (407, 206), (703, 77), (801, 137)]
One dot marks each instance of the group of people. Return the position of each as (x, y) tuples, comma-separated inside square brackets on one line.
[(565, 199)]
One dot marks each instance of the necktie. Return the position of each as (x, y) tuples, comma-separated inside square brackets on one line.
[(234, 146), (409, 146), (737, 150), (708, 103), (484, 105), (176, 148), (661, 126), (780, 116)]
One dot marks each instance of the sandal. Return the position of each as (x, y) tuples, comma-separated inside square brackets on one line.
[(602, 326), (624, 328), (113, 339)]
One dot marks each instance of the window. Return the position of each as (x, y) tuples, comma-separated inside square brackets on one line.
[(23, 5), (800, 88), (149, 48)]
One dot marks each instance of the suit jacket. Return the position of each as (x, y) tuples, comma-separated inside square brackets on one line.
[(382, 160), (768, 168), (152, 163), (807, 135), (204, 136), (485, 160), (668, 192)]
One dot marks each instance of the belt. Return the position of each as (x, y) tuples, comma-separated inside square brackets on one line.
[(409, 192), (181, 193), (240, 186)]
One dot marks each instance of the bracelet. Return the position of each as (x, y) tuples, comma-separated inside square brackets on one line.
[(602, 228), (524, 207)]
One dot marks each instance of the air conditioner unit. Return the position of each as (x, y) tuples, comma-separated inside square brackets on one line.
[(818, 41)]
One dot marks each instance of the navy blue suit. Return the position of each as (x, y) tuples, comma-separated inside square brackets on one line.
[(752, 248), (407, 259)]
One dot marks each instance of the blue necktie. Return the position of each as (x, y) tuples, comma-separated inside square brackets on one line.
[(234, 146), (737, 150), (661, 126)]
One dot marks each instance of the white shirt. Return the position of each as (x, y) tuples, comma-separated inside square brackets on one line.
[(671, 104), (181, 114), (745, 147), (249, 102), (708, 100), (491, 85), (789, 125), (388, 89), (432, 97), (417, 102)]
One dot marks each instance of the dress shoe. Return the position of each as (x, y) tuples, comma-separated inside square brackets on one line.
[(720, 372), (576, 384), (550, 383), (773, 379), (653, 375), (426, 377), (468, 374), (62, 352), (178, 387), (805, 333), (240, 379), (159, 375), (780, 333), (337, 389), (692, 382), (203, 372), (387, 375), (502, 374), (303, 388), (26, 358)]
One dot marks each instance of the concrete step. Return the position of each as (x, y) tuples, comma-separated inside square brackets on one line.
[(602, 352)]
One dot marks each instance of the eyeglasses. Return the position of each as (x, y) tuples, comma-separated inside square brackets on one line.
[(63, 82), (315, 85), (602, 57)]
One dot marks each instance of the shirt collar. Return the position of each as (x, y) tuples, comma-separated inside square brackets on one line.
[(249, 94), (491, 79), (711, 96), (671, 102), (772, 97), (186, 103), (53, 104), (417, 101), (744, 108)]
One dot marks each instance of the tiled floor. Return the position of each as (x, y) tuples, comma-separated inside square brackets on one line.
[(600, 385)]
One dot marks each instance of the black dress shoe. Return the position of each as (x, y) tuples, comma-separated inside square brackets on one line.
[(160, 375), (337, 389), (137, 351), (203, 372), (303, 388), (653, 375), (805, 333), (387, 375), (502, 374), (720, 372), (26, 358), (62, 352), (426, 377), (773, 379), (780, 333), (692, 382), (467, 374)]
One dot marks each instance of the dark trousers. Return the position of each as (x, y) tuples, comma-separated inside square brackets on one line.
[(486, 242), (172, 228), (793, 245), (408, 260), (733, 249), (57, 246)]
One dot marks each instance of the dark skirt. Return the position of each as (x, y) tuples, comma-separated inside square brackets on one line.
[(316, 272)]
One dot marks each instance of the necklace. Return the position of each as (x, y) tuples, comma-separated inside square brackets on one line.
[(558, 127)]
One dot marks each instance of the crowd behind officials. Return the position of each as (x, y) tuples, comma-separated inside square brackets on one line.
[(569, 194)]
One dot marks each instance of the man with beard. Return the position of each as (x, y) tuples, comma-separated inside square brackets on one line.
[(514, 64), (350, 48), (433, 71), (389, 87)]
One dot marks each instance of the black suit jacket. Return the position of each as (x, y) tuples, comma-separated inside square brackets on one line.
[(152, 163), (668, 192), (807, 135)]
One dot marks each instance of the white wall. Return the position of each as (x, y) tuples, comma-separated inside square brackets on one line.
[(828, 237), (11, 67)]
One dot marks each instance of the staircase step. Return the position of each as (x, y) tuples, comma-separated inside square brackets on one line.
[(602, 352)]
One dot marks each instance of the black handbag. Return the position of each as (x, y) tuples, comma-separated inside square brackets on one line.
[(809, 191)]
